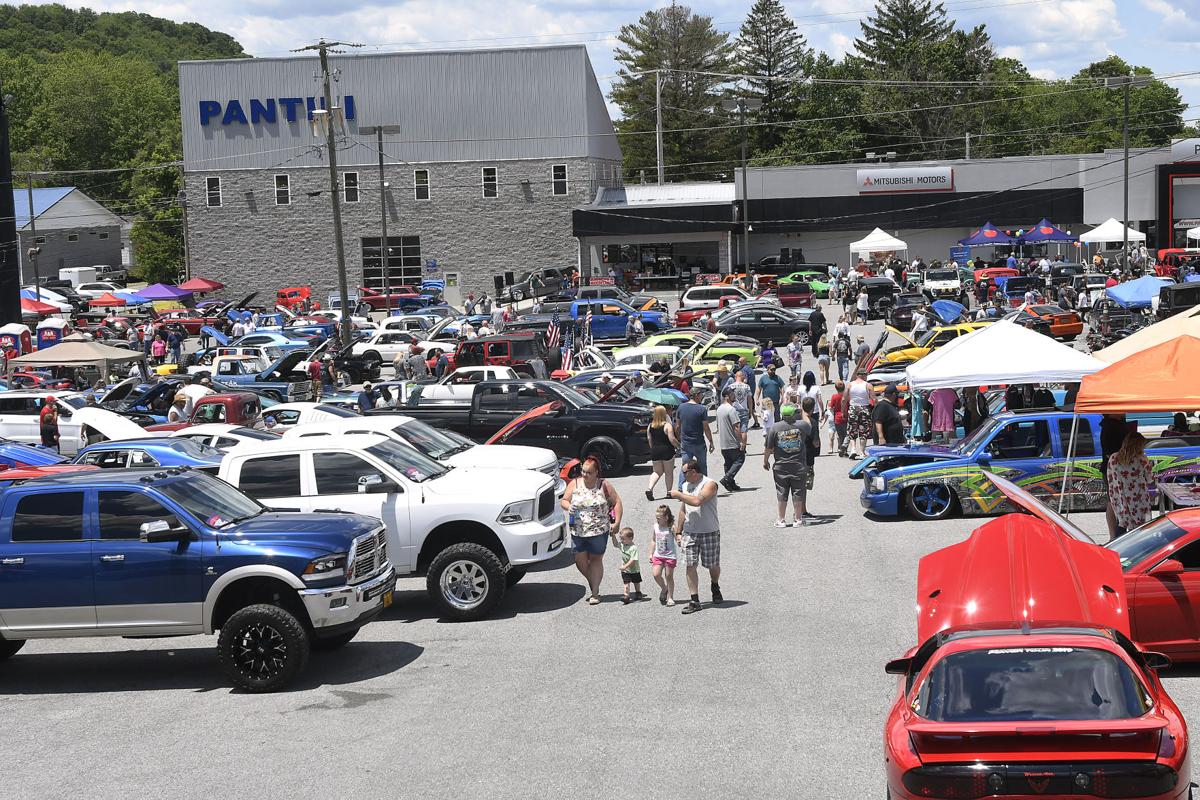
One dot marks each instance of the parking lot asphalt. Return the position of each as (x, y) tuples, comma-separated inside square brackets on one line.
[(779, 692)]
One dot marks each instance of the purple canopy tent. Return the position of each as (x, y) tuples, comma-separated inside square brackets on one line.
[(987, 236), (162, 291), (1044, 231)]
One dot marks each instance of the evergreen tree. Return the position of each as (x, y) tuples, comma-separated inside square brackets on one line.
[(898, 28), (776, 55), (679, 44)]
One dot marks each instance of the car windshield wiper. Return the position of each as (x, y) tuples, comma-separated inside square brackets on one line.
[(242, 518)]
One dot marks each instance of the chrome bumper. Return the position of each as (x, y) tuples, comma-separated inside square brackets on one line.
[(341, 605)]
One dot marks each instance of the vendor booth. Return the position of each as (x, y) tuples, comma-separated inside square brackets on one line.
[(1045, 232), (78, 353), (1111, 231), (52, 331), (988, 235), (998, 354), (1139, 293), (878, 241)]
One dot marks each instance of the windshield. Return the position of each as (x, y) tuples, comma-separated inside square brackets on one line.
[(408, 462), (75, 402), (1031, 684), (979, 435), (1137, 545), (574, 397), (428, 440), (251, 433), (941, 275), (335, 411), (927, 339), (211, 500), (909, 301)]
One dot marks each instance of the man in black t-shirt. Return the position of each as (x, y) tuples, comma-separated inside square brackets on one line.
[(887, 417)]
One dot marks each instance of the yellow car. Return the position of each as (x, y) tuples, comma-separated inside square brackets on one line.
[(930, 340)]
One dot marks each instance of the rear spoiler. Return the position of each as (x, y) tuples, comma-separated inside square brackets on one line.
[(1144, 724)]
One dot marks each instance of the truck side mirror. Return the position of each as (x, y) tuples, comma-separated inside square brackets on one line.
[(159, 530)]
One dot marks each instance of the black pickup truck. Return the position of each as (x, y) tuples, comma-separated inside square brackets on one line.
[(578, 427)]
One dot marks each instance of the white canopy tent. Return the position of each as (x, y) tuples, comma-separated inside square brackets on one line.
[(1001, 353), (1194, 233), (1111, 231), (878, 241)]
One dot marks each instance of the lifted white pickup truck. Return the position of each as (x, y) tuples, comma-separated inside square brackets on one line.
[(472, 532)]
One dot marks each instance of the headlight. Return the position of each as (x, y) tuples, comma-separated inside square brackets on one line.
[(878, 484), (642, 421), (520, 511), (325, 567)]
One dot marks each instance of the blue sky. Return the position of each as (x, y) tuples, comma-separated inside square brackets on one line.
[(1054, 38)]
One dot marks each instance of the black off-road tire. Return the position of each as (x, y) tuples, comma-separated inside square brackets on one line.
[(514, 576), (608, 452), (9, 647), (262, 648), (326, 643), (466, 581)]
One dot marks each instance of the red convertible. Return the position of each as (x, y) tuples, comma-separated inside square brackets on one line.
[(1025, 682)]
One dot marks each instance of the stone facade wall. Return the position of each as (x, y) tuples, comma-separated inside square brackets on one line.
[(250, 243)]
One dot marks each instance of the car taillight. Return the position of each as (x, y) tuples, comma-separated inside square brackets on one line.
[(954, 782), (1166, 744)]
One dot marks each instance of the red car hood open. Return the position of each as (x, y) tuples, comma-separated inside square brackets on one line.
[(520, 422)]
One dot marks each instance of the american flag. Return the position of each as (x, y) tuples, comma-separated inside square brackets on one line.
[(587, 324), (568, 345), (553, 333)]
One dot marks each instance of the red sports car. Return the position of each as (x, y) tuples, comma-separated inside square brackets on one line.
[(1025, 682), (378, 300), (190, 320)]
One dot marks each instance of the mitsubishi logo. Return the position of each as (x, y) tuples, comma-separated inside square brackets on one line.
[(868, 182), (1037, 781)]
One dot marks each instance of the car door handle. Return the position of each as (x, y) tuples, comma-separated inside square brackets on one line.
[(118, 557), (12, 562)]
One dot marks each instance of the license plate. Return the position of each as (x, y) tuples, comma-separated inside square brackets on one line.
[(387, 599), (378, 590)]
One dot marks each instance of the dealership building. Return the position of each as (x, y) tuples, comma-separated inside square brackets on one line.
[(486, 155), (678, 230)]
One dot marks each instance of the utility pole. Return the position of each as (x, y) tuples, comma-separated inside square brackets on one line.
[(1126, 82), (187, 252), (741, 105), (323, 47), (968, 144), (658, 126), (10, 244), (384, 250), (35, 250)]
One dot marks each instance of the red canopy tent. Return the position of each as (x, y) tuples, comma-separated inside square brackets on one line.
[(201, 285), (107, 299), (1160, 378), (37, 307)]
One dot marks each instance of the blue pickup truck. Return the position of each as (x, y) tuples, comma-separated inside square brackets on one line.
[(147, 552), (609, 318), (1027, 447)]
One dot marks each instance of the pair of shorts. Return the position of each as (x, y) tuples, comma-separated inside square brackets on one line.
[(631, 577), (660, 561), (795, 485), (702, 548), (595, 545)]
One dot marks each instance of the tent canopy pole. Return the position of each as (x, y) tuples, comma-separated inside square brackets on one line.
[(1062, 495)]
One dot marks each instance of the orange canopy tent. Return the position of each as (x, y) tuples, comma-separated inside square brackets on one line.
[(107, 299), (1161, 378)]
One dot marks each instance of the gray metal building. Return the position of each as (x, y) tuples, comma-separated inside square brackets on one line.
[(72, 230), (495, 149)]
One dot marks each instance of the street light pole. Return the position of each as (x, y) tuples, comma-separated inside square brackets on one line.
[(322, 47), (1126, 82), (384, 250), (658, 125)]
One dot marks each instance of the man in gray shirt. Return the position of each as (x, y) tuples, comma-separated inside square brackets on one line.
[(732, 439), (788, 442), (699, 530), (417, 368)]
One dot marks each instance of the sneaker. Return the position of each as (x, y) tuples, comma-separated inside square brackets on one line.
[(670, 601), (692, 607), (725, 483), (782, 523), (734, 487), (649, 495), (662, 597), (718, 598)]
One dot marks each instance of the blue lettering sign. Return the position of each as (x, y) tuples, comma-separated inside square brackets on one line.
[(289, 106), (262, 112), (208, 110), (267, 111), (233, 113)]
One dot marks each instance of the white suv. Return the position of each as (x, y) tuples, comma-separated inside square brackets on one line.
[(472, 532), (709, 296)]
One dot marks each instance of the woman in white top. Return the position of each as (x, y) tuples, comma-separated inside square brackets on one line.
[(812, 390), (858, 423)]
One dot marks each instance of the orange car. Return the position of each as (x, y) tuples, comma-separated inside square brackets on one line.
[(1065, 325), (765, 280)]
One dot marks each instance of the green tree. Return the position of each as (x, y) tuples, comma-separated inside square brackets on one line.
[(825, 128), (681, 46), (900, 30), (776, 57)]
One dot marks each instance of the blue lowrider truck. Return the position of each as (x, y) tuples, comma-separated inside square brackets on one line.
[(144, 552), (1027, 447)]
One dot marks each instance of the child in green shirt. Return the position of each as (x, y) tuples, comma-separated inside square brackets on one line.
[(631, 571)]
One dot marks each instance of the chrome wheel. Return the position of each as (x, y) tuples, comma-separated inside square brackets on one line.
[(261, 651), (464, 584)]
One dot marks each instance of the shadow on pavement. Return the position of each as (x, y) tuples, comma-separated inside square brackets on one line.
[(725, 606), (533, 598), (563, 559), (185, 668)]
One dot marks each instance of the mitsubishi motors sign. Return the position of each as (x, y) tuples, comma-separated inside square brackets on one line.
[(905, 179)]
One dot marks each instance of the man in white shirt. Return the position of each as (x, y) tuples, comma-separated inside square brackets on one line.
[(238, 330), (1044, 264), (890, 273), (920, 321)]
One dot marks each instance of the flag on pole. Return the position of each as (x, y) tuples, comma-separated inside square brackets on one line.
[(553, 333), (587, 325), (568, 345)]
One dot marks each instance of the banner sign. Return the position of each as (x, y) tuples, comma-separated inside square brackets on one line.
[(905, 179)]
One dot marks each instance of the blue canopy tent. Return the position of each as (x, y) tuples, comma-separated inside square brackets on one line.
[(131, 298), (1044, 231), (1136, 294), (987, 236), (948, 311)]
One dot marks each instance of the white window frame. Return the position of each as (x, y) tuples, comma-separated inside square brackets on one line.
[(346, 188), (565, 181), (208, 192), (483, 182), (287, 188), (417, 186)]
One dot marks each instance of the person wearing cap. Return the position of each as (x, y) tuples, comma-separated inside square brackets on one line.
[(366, 398), (732, 439), (861, 350), (48, 423), (788, 441), (886, 417), (178, 411)]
